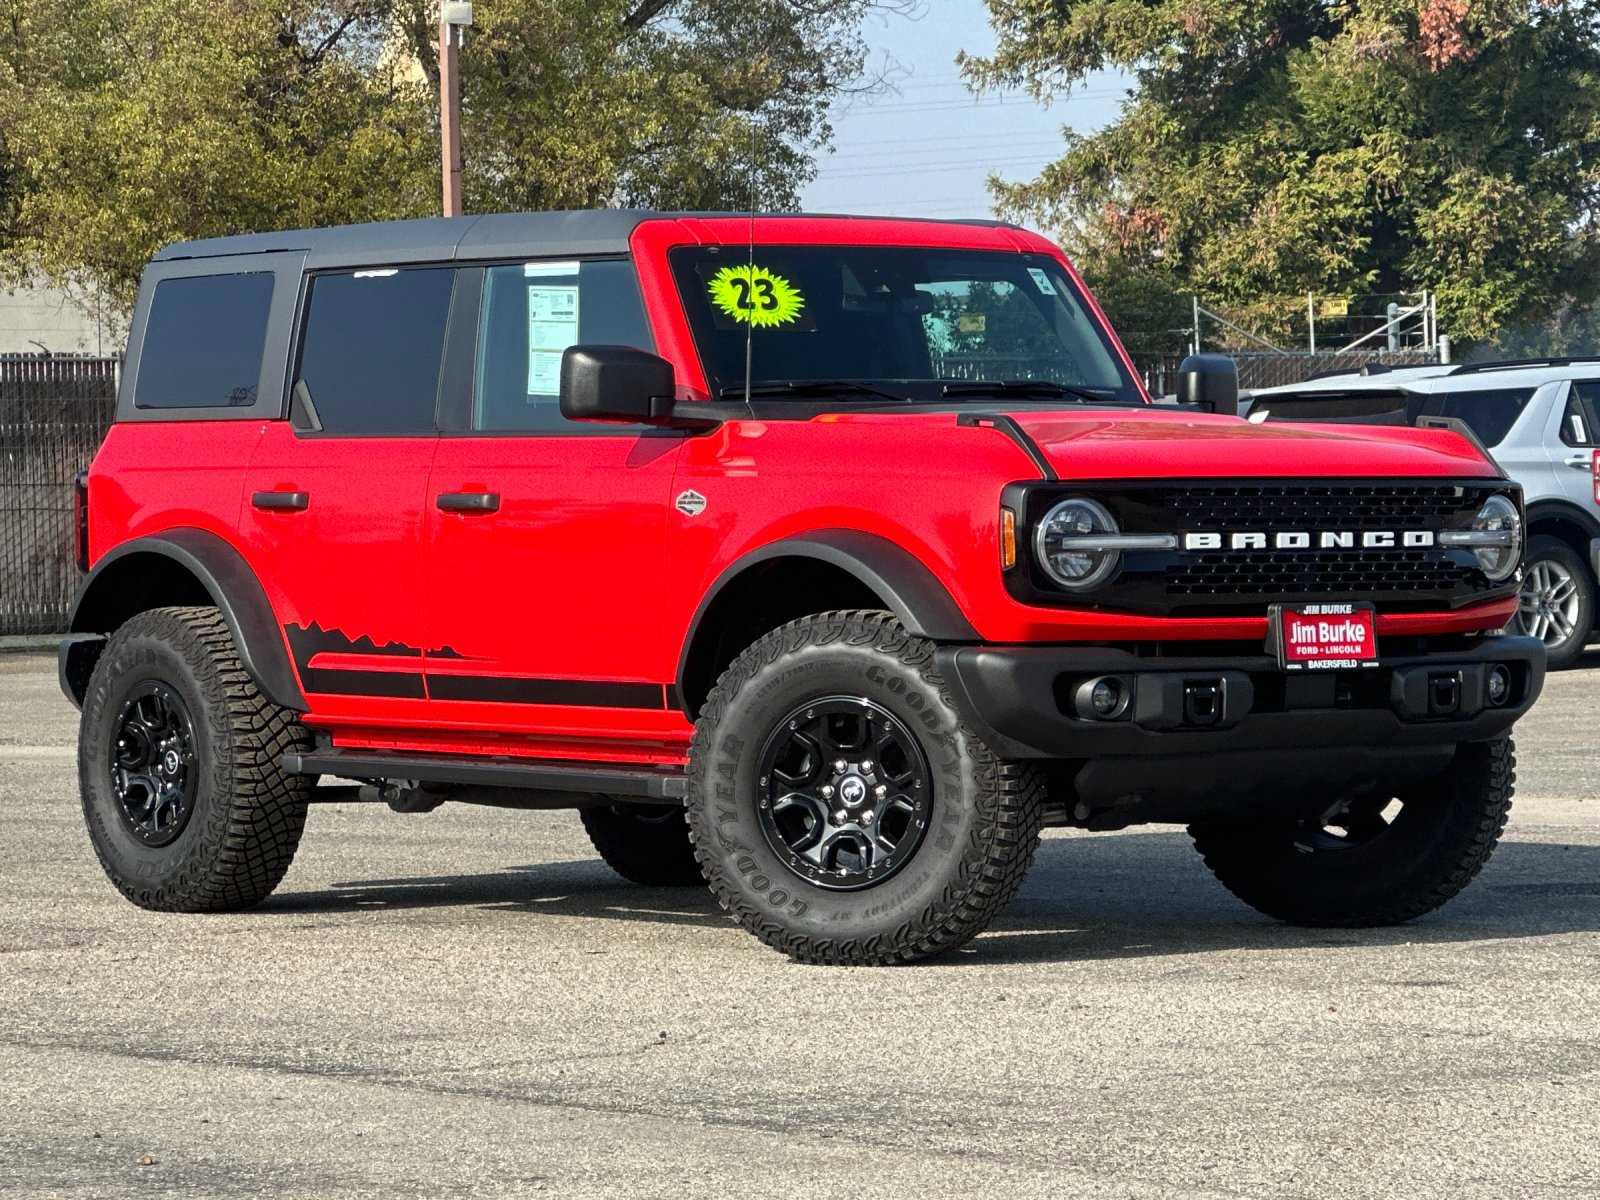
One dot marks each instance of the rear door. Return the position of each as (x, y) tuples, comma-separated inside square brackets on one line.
[(333, 506), (546, 535), (1574, 450)]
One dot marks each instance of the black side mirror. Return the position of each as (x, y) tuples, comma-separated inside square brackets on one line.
[(616, 383), (1210, 382)]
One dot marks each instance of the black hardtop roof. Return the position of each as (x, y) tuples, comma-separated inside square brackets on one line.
[(441, 239)]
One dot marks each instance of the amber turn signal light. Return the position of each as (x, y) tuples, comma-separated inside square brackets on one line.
[(1008, 538)]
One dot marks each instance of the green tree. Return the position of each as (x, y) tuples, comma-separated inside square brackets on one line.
[(127, 124), (1272, 148)]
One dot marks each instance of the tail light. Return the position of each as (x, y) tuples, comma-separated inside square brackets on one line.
[(80, 520), (1594, 467)]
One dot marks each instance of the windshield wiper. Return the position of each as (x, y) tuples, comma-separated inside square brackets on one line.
[(814, 387), (1022, 387)]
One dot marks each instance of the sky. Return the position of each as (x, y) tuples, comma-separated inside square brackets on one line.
[(926, 148)]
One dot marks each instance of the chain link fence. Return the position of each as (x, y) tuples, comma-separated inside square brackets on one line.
[(53, 414), (1258, 370)]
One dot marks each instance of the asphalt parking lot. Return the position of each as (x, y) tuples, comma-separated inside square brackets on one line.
[(469, 1003)]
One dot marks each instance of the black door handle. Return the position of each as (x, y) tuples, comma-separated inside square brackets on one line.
[(282, 501), (469, 502)]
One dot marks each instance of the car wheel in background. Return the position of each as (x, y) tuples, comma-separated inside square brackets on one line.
[(1557, 601)]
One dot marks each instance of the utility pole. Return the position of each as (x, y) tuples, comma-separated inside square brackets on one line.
[(453, 19), (1311, 318)]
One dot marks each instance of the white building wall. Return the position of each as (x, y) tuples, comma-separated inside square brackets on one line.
[(38, 319)]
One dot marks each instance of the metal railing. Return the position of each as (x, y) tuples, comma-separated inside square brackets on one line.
[(54, 412)]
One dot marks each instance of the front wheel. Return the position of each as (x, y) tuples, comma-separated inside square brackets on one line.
[(1377, 858), (1557, 601), (841, 810)]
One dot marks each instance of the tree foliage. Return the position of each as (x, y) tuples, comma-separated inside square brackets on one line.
[(127, 124), (1273, 148)]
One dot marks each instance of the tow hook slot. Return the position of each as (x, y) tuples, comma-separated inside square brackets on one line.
[(1450, 693), (1202, 702), (1180, 701)]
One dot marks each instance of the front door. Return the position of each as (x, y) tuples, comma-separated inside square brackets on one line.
[(334, 503), (546, 535), (1575, 450)]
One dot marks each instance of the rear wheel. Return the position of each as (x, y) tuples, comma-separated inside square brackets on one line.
[(645, 844), (178, 767), (1557, 601), (1377, 858), (841, 810)]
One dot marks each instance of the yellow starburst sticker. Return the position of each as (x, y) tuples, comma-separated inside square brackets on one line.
[(756, 296)]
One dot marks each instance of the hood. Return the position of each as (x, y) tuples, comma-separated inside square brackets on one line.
[(1165, 443)]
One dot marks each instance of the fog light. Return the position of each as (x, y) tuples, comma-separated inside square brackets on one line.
[(1104, 699), (1499, 686)]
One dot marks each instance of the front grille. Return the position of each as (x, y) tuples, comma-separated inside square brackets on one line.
[(1308, 573), (1271, 506), (1240, 582)]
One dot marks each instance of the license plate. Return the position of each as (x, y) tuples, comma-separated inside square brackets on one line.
[(1324, 637)]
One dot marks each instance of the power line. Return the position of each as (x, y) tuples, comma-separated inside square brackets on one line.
[(943, 168)]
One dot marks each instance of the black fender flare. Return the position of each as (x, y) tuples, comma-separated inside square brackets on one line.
[(1566, 510), (909, 589), (233, 588)]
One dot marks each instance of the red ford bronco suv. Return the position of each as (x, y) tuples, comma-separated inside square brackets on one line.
[(825, 558)]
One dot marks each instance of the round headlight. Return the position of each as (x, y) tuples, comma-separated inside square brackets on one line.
[(1500, 516), (1064, 544)]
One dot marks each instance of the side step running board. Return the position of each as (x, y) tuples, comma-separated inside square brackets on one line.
[(664, 785)]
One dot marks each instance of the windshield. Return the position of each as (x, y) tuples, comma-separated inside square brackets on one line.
[(907, 321)]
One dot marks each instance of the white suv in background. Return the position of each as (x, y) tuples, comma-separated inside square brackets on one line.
[(1541, 421)]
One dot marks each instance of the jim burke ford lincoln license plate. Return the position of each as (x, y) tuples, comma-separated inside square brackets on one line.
[(1324, 637)]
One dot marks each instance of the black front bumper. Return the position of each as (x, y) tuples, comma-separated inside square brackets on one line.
[(1021, 699), (1220, 738)]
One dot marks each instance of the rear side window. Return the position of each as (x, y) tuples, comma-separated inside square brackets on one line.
[(373, 344), (1577, 423), (204, 342), (532, 312), (1489, 414)]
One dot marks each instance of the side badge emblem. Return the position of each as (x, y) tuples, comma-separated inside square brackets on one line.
[(691, 503)]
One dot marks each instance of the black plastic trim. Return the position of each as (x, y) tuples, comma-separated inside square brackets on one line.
[(587, 778), (233, 588), (1009, 694), (1011, 429), (571, 693), (1563, 510), (910, 590)]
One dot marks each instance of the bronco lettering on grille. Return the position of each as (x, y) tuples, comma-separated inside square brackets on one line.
[(1348, 539)]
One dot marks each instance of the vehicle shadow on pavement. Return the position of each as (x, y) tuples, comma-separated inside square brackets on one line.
[(575, 889), (1087, 897), (1149, 895)]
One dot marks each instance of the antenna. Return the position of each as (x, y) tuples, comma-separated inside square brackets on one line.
[(750, 324)]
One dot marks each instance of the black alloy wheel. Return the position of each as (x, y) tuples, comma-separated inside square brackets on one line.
[(846, 795), (153, 775)]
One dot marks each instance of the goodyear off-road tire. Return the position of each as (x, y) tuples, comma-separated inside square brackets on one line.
[(229, 838), (643, 843), (1433, 847), (981, 814)]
